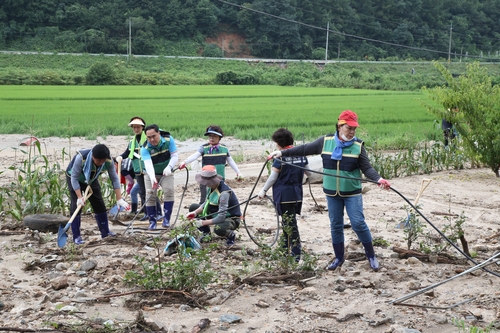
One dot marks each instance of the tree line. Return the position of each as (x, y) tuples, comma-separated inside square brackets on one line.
[(282, 29)]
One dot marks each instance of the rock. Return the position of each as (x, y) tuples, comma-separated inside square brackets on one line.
[(310, 291), (184, 308), (229, 318), (414, 261), (68, 308), (88, 265), (413, 285), (60, 283), (61, 266)]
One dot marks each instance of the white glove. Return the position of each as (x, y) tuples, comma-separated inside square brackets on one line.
[(167, 171), (118, 159), (182, 165), (123, 203), (80, 202), (199, 223), (191, 215), (239, 177), (261, 194), (274, 154)]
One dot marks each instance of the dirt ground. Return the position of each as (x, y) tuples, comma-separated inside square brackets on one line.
[(43, 287)]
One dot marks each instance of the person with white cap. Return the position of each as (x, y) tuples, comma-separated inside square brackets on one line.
[(220, 208), (213, 153), (134, 154), (159, 156), (84, 170), (343, 154)]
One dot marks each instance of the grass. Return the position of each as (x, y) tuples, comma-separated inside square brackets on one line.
[(245, 112)]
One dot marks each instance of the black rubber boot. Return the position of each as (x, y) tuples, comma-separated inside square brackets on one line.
[(103, 225), (151, 212), (167, 213)]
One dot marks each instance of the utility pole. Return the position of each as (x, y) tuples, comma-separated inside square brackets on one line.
[(326, 48), (449, 47), (129, 38)]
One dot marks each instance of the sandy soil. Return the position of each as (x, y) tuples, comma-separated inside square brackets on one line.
[(353, 299)]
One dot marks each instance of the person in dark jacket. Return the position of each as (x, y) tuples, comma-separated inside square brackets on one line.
[(343, 155), (84, 170), (221, 207), (286, 181)]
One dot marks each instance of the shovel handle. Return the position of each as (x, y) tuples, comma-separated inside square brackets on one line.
[(87, 194), (423, 186)]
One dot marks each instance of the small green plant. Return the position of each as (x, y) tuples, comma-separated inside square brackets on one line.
[(462, 327), (413, 226), (190, 270)]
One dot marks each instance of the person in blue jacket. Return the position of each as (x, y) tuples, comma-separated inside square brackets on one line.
[(84, 170), (286, 181)]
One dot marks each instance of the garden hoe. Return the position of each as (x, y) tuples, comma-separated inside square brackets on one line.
[(62, 236), (423, 186)]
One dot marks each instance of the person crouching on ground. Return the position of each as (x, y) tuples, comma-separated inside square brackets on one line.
[(344, 155), (221, 207), (84, 170)]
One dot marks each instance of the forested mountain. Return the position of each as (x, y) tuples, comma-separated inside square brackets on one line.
[(289, 29)]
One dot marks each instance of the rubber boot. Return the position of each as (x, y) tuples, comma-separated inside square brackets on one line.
[(159, 217), (167, 213), (297, 251), (230, 238), (338, 248), (206, 233), (133, 209), (102, 224), (75, 228), (151, 212), (370, 254)]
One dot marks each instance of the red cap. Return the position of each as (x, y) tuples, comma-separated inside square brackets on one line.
[(348, 117)]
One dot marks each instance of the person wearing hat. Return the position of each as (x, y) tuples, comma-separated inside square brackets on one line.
[(133, 152), (213, 153), (220, 208), (344, 155), (159, 156), (84, 170), (286, 181)]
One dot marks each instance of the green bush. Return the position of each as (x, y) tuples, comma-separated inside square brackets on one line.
[(230, 77), (101, 73), (212, 51)]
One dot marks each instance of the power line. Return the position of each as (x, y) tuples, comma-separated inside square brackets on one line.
[(341, 33)]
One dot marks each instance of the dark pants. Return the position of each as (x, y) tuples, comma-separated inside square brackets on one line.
[(142, 189), (291, 234), (96, 200), (221, 229)]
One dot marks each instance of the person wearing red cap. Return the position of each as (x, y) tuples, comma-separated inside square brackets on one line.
[(343, 154)]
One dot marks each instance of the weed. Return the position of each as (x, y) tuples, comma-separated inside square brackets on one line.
[(462, 327)]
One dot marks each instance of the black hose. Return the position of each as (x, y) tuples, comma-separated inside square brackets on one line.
[(411, 205)]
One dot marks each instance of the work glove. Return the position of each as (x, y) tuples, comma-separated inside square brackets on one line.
[(274, 154), (191, 215), (182, 165), (382, 183), (239, 177), (199, 223), (262, 194), (80, 202), (118, 159), (123, 203), (167, 171)]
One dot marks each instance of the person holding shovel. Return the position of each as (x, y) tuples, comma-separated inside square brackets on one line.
[(221, 207), (286, 181), (343, 154), (213, 153), (159, 156), (83, 171)]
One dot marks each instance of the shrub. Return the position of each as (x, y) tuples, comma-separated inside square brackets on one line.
[(101, 73), (212, 51)]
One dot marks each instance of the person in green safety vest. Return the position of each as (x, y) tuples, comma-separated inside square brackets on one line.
[(343, 154)]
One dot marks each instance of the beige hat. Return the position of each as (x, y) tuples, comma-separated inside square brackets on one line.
[(208, 176), (136, 121)]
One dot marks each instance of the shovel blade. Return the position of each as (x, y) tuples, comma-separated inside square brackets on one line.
[(62, 236)]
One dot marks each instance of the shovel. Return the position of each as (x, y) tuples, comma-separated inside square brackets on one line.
[(62, 236), (423, 186)]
